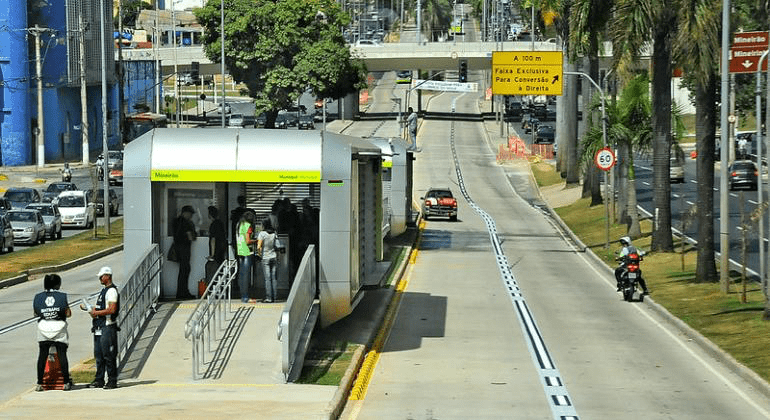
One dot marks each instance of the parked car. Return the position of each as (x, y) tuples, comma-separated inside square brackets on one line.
[(28, 226), (676, 172), (260, 120), (6, 234), (306, 123), (98, 201), (743, 174), (5, 205), (546, 134), (439, 202), (20, 197), (75, 209), (51, 218), (404, 77), (56, 188)]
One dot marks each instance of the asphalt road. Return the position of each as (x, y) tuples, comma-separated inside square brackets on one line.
[(18, 339), (458, 347)]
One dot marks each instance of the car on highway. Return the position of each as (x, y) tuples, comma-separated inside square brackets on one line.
[(76, 210), (528, 123), (98, 201), (439, 202), (235, 120), (20, 197), (743, 174), (282, 121), (28, 226), (676, 171), (51, 218), (55, 188), (546, 134), (306, 122), (6, 234)]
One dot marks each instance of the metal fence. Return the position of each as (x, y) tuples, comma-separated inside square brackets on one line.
[(138, 297), (210, 314), (298, 317)]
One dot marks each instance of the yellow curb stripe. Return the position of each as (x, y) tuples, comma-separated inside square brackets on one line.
[(361, 385)]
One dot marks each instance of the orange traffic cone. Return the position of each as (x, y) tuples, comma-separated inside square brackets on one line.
[(52, 376)]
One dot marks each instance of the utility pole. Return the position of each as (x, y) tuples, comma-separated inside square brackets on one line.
[(724, 227), (222, 60), (156, 49), (121, 81), (83, 91), (176, 68), (104, 123), (40, 132)]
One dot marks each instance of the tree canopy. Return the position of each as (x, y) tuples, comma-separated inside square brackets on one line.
[(280, 49)]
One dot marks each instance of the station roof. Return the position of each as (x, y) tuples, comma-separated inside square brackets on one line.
[(237, 155)]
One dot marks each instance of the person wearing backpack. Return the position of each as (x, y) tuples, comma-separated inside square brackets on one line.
[(266, 247), (52, 310)]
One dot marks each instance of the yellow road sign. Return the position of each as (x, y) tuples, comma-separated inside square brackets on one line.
[(527, 72)]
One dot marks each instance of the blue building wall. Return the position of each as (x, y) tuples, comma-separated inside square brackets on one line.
[(15, 128), (61, 102)]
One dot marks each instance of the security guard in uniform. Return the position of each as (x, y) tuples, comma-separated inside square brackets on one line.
[(105, 328)]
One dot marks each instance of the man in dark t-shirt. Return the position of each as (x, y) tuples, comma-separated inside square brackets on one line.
[(184, 234)]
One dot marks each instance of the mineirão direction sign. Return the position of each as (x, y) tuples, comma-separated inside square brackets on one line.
[(746, 51)]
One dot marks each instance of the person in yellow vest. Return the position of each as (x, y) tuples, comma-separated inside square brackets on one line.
[(244, 240)]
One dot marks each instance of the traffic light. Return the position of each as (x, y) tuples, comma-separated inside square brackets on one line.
[(463, 71)]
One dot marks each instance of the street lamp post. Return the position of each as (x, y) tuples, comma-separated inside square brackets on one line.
[(760, 142), (611, 195)]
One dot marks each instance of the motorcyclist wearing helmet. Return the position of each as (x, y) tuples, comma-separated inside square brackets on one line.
[(66, 173), (626, 249)]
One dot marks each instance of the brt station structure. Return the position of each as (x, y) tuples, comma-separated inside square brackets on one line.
[(359, 189)]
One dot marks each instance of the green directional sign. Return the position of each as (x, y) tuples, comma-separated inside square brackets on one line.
[(527, 72)]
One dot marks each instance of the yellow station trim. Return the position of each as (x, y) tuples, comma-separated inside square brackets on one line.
[(228, 175)]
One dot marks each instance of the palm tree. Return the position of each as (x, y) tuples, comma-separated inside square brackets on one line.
[(697, 48), (637, 22), (437, 15), (628, 126), (587, 21)]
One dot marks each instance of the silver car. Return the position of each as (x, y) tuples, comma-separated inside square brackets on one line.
[(6, 234), (51, 218), (28, 226)]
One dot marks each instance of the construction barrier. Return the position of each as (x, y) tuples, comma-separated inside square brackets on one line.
[(52, 375)]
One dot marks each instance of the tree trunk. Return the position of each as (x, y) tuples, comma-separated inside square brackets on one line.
[(705, 133), (661, 128), (634, 228)]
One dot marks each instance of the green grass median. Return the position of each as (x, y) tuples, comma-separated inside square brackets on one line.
[(59, 251), (732, 321)]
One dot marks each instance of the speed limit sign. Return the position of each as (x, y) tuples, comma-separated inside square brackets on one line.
[(605, 159)]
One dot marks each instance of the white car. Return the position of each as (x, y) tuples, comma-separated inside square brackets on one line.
[(75, 209)]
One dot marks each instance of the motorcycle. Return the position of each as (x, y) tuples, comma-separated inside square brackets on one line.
[(629, 279)]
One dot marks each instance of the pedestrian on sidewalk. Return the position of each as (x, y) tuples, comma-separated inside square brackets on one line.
[(105, 328), (52, 310)]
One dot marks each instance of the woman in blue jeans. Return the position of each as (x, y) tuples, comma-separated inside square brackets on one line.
[(266, 248), (243, 241)]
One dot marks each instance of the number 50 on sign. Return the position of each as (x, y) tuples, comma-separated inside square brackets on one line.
[(605, 159)]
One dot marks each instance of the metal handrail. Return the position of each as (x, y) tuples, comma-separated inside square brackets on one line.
[(138, 298), (212, 308)]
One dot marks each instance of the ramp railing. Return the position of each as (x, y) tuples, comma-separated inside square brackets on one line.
[(138, 297), (298, 317), (210, 314)]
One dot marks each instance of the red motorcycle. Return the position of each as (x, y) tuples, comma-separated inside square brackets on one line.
[(631, 276)]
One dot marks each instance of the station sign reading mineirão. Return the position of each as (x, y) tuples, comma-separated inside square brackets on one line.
[(527, 72)]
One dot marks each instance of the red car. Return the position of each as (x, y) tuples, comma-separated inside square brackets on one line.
[(439, 202)]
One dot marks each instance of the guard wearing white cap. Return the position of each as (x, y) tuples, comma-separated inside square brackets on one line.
[(105, 329)]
